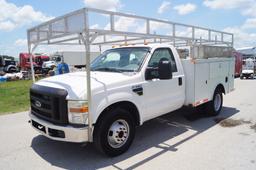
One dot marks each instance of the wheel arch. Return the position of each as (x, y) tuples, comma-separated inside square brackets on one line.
[(221, 88), (127, 105)]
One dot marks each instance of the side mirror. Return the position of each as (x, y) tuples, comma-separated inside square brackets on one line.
[(165, 69), (151, 73)]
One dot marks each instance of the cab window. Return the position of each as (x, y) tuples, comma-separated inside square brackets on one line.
[(160, 54)]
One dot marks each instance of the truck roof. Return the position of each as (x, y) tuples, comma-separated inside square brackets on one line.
[(24, 55), (156, 45)]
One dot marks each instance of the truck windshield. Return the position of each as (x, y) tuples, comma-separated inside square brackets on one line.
[(120, 60)]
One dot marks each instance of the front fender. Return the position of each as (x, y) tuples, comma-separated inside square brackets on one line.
[(100, 103)]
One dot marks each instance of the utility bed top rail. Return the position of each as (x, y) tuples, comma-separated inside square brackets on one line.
[(106, 27)]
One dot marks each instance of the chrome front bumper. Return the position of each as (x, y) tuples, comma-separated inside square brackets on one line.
[(60, 133)]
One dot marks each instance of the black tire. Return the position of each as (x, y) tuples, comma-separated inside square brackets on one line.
[(12, 70), (210, 106), (102, 132)]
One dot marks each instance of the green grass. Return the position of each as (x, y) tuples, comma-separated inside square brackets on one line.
[(14, 96)]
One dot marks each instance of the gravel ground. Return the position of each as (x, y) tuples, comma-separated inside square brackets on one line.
[(180, 140)]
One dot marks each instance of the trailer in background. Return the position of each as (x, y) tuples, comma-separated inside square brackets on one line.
[(73, 58)]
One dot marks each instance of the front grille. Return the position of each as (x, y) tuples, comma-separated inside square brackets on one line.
[(49, 104)]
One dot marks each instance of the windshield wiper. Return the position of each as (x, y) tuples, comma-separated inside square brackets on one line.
[(107, 69)]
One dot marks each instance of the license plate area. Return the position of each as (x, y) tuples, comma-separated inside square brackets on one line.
[(38, 126)]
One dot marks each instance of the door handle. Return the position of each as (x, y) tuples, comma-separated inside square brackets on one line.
[(180, 81), (138, 90)]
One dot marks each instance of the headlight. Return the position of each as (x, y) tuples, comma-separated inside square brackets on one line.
[(77, 112)]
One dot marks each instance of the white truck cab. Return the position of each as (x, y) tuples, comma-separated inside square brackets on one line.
[(129, 86)]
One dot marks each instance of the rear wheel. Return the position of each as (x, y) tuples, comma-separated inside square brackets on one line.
[(114, 132), (214, 107)]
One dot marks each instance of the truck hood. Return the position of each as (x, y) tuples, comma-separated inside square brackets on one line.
[(75, 83), (247, 71)]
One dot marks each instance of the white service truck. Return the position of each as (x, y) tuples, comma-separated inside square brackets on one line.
[(130, 85)]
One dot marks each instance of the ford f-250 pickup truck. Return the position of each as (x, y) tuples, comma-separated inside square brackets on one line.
[(130, 85)]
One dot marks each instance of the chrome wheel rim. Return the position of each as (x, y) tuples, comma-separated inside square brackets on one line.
[(217, 102), (118, 133)]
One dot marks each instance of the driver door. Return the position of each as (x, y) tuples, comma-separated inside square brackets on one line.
[(162, 96)]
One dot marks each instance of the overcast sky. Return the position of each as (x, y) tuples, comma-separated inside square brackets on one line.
[(235, 16)]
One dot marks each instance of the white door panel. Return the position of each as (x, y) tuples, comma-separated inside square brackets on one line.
[(163, 96)]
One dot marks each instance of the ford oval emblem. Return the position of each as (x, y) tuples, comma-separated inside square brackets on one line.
[(38, 104)]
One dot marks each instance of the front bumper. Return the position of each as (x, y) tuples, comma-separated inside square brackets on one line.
[(60, 133), (247, 74)]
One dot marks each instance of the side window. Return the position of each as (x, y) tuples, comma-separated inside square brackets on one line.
[(162, 53)]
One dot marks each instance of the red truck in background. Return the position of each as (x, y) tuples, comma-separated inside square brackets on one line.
[(38, 60), (238, 63)]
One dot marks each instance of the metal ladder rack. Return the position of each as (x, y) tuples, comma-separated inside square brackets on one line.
[(81, 28), (67, 29)]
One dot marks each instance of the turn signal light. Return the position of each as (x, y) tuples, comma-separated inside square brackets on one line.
[(79, 110)]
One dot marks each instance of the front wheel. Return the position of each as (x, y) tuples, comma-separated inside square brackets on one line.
[(214, 107), (114, 132), (12, 70)]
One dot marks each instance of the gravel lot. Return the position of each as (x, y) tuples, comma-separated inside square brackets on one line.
[(179, 140)]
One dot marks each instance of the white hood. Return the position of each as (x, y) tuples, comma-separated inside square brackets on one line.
[(247, 71), (75, 83)]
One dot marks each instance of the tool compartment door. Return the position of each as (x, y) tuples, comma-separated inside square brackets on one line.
[(219, 74), (231, 75), (201, 82)]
